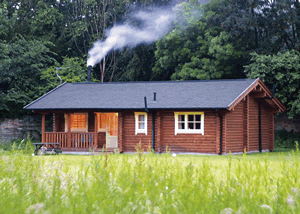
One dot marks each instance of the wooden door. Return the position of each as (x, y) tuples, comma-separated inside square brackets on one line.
[(112, 130)]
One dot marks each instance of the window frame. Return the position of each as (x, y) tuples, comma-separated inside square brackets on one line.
[(99, 120), (137, 130), (186, 130), (77, 130)]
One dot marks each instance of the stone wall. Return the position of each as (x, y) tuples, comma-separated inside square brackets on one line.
[(283, 122), (20, 127)]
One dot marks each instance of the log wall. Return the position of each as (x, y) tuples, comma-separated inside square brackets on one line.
[(188, 142), (253, 127), (129, 139), (240, 130), (235, 129)]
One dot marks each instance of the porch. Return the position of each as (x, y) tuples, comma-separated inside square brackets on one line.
[(83, 131)]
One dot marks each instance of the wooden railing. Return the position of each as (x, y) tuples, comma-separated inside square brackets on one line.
[(78, 140), (57, 137), (82, 140)]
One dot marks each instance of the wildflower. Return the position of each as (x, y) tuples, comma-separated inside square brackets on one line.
[(22, 141), (290, 200), (148, 203), (156, 184), (156, 210), (230, 189), (227, 211), (167, 188), (160, 196), (295, 190), (267, 207), (35, 207)]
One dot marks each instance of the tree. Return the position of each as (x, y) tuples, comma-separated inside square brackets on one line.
[(72, 70), (282, 69), (197, 49), (21, 64)]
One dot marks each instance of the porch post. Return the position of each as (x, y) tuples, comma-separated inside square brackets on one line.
[(69, 130), (43, 128), (96, 131)]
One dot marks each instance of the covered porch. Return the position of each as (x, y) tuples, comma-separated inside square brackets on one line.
[(82, 131)]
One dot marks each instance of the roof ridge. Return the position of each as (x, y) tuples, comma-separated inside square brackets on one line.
[(179, 81), (43, 95)]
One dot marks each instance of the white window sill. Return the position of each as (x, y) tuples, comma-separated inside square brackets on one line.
[(141, 131), (189, 132)]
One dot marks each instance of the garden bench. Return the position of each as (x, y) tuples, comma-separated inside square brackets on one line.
[(38, 146)]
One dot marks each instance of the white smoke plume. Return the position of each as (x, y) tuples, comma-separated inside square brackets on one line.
[(154, 25)]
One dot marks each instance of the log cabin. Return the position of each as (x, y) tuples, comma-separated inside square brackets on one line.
[(205, 116)]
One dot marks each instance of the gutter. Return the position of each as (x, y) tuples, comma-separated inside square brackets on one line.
[(153, 122)]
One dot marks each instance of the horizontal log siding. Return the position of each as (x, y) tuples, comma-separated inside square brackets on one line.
[(224, 134), (267, 123), (130, 140), (245, 126), (101, 140), (235, 129), (91, 122), (253, 124), (58, 122), (271, 145), (188, 142)]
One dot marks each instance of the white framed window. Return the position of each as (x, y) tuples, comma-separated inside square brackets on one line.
[(79, 122), (140, 122), (189, 122)]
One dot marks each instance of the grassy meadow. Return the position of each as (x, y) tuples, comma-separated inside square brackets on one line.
[(149, 183)]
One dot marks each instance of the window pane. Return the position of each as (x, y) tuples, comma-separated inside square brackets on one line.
[(198, 117), (141, 125), (180, 117), (191, 117), (78, 121), (191, 125), (181, 125), (141, 117), (198, 125)]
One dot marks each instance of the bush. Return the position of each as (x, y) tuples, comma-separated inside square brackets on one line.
[(285, 139), (17, 144)]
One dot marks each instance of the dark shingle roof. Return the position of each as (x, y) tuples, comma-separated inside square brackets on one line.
[(130, 95)]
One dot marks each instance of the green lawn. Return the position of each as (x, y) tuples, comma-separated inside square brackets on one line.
[(150, 183)]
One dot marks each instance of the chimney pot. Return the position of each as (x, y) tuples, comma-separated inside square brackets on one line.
[(89, 74)]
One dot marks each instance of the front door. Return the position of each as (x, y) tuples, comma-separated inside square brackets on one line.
[(109, 121)]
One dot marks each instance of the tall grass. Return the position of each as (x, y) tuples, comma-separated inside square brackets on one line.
[(148, 183)]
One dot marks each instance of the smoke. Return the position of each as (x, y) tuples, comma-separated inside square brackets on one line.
[(155, 24)]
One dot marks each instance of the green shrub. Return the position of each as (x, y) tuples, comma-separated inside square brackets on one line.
[(285, 139), (17, 144)]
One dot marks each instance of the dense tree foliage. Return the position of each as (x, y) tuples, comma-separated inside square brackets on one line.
[(219, 39), (283, 69)]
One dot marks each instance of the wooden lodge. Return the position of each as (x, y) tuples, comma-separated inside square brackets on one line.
[(214, 116)]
